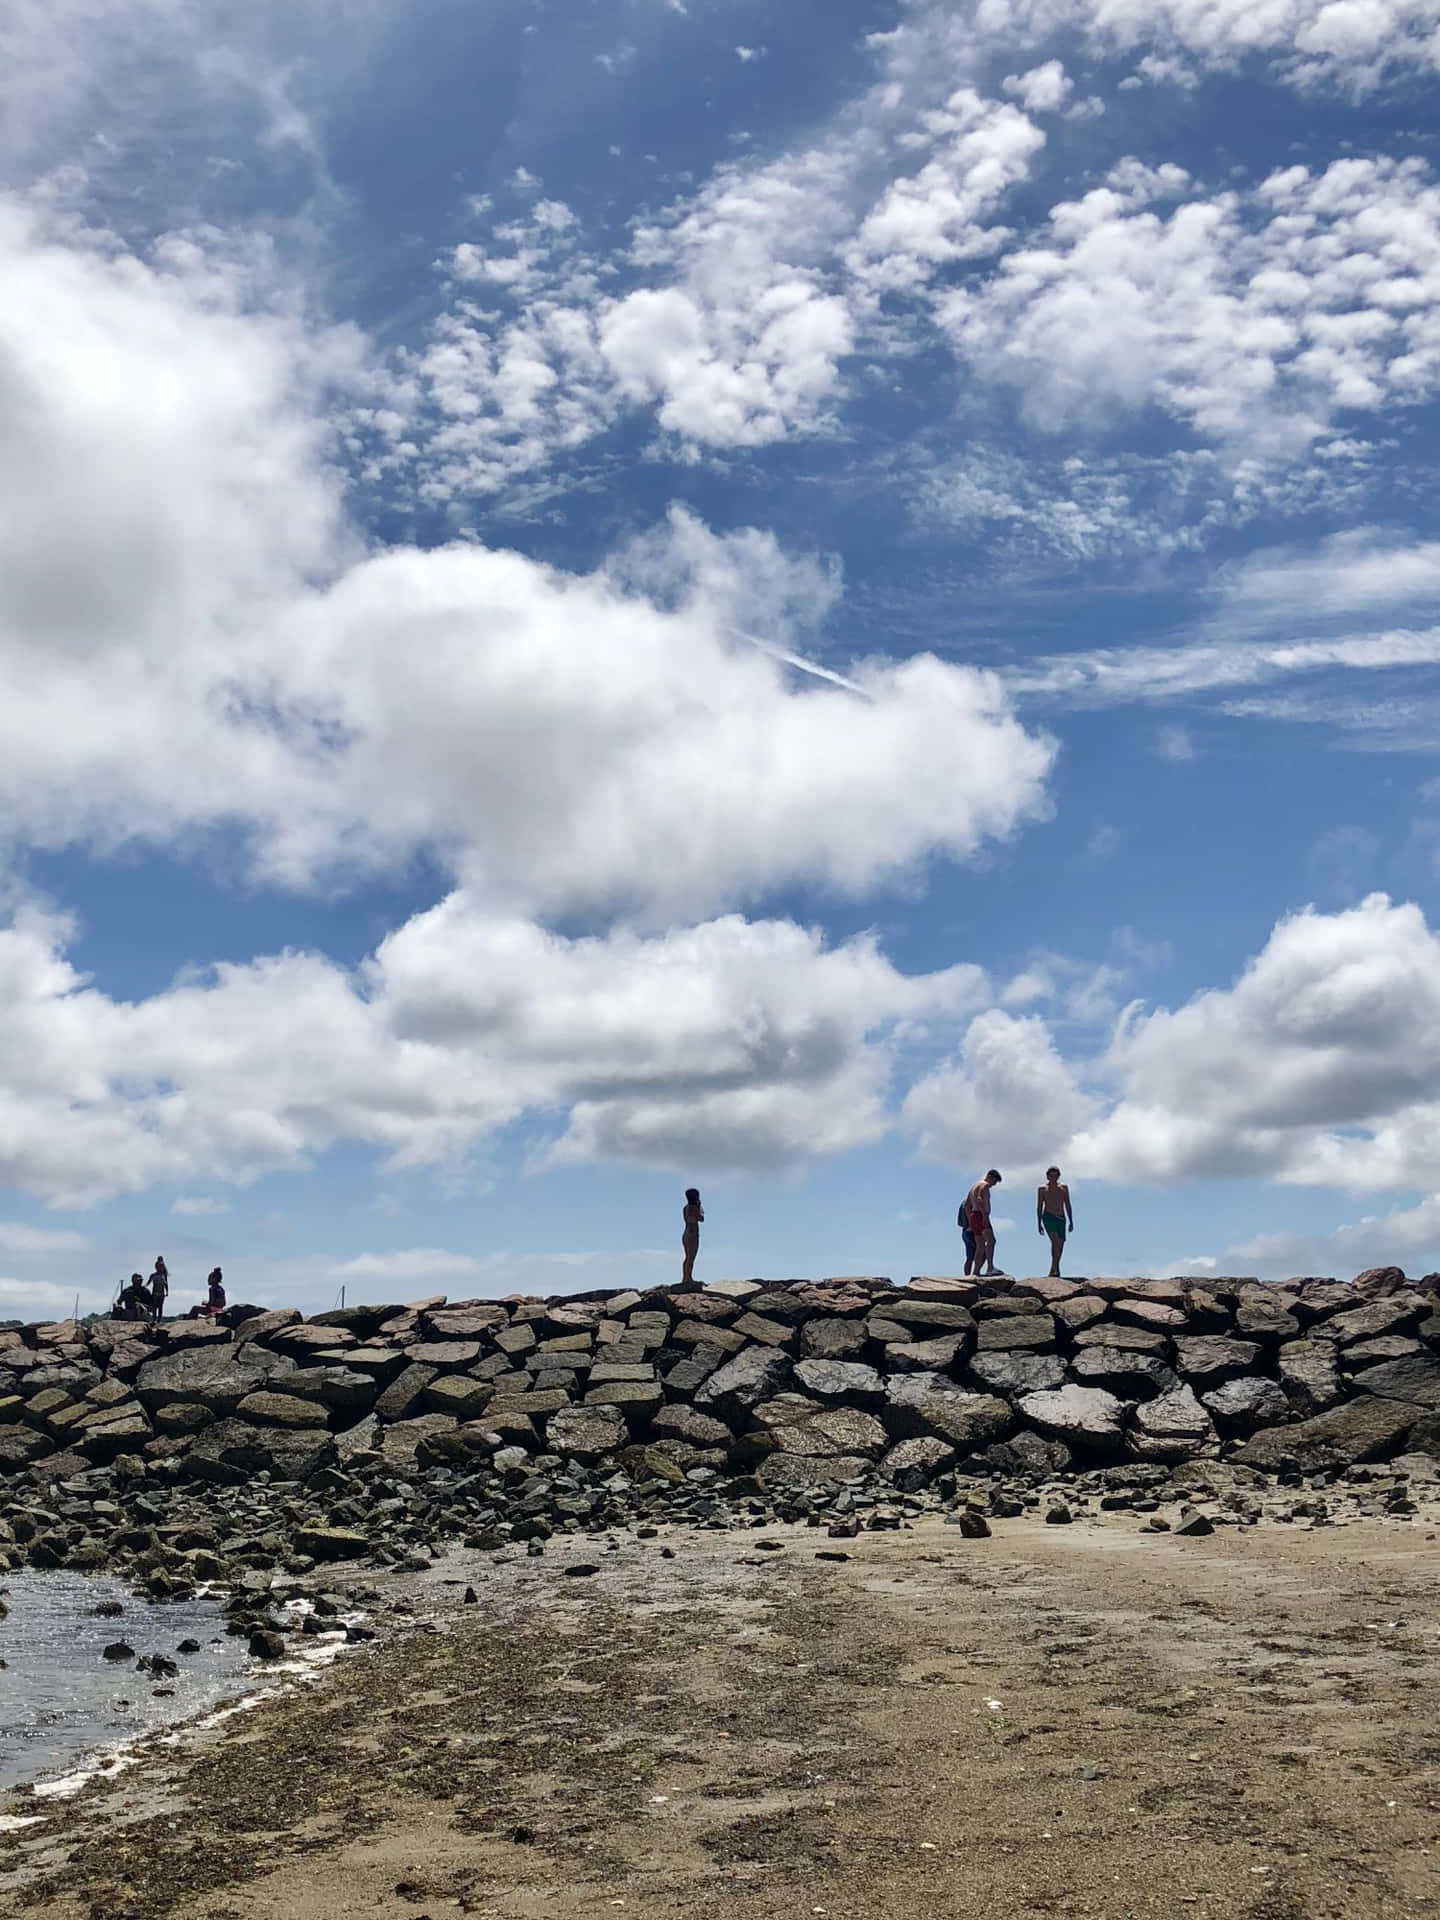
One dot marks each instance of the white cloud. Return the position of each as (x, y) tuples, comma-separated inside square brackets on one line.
[(1320, 1066), (198, 1206), (1115, 675), (1358, 570), (222, 655), (39, 1241), (1259, 319), (1042, 90), (1350, 45), (1403, 1236), (734, 1042), (1175, 745), (733, 315), (41, 1300), (1005, 1096), (407, 1264)]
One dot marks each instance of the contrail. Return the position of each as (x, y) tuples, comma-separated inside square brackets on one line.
[(798, 660)]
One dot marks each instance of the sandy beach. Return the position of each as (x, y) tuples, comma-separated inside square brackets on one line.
[(1088, 1720)]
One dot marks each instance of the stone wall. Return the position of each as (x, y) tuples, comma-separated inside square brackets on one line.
[(803, 1384)]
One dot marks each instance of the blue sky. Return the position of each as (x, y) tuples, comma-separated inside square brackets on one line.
[(801, 600)]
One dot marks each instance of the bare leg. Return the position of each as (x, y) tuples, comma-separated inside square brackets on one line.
[(687, 1272), (1057, 1247), (985, 1252)]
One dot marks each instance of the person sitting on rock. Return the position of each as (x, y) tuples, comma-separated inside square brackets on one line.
[(214, 1301), (133, 1301), (690, 1239)]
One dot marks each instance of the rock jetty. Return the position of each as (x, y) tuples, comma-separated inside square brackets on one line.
[(199, 1452)]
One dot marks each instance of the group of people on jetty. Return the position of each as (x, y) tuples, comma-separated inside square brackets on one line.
[(142, 1299), (1054, 1218)]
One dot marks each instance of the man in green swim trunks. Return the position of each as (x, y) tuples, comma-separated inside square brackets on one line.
[(1053, 1215)]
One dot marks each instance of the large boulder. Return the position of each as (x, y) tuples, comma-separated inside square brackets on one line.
[(1035, 1331), (1310, 1374), (233, 1451), (457, 1393), (122, 1432), (587, 1433), (1014, 1372), (1028, 1452), (832, 1338), (911, 1463), (1207, 1359), (1079, 1311), (1396, 1313), (700, 1430), (218, 1377), (401, 1442), (304, 1342), (471, 1322), (405, 1395), (1265, 1314), (282, 1410), (1174, 1427), (840, 1380), (926, 1356), (1117, 1333), (448, 1355), (917, 1404), (1366, 1428), (345, 1389), (804, 1472), (930, 1316), (1416, 1379), (363, 1322), (20, 1445), (1380, 1280), (798, 1425), (732, 1391), (1085, 1417), (1134, 1376), (1164, 1316), (1240, 1406), (331, 1543)]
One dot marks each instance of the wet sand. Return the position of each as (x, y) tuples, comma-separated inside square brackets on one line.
[(1081, 1720)]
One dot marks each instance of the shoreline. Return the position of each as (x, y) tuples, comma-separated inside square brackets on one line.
[(778, 1722)]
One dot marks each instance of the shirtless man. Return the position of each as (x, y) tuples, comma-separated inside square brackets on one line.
[(690, 1239), (1052, 1213), (977, 1206)]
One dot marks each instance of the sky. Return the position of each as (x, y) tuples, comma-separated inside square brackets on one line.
[(801, 600)]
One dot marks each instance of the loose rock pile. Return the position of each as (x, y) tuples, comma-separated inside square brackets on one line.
[(199, 1452)]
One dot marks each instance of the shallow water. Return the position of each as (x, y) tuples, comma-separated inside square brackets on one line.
[(61, 1699)]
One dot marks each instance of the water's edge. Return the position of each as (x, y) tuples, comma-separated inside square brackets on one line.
[(64, 1705)]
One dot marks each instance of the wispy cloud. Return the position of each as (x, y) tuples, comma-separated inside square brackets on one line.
[(1114, 676), (38, 1241)]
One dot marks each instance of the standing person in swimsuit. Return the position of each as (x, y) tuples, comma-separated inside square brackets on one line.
[(690, 1239), (1054, 1216), (977, 1206), (159, 1289)]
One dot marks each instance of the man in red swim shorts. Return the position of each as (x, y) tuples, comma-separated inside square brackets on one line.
[(977, 1208)]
